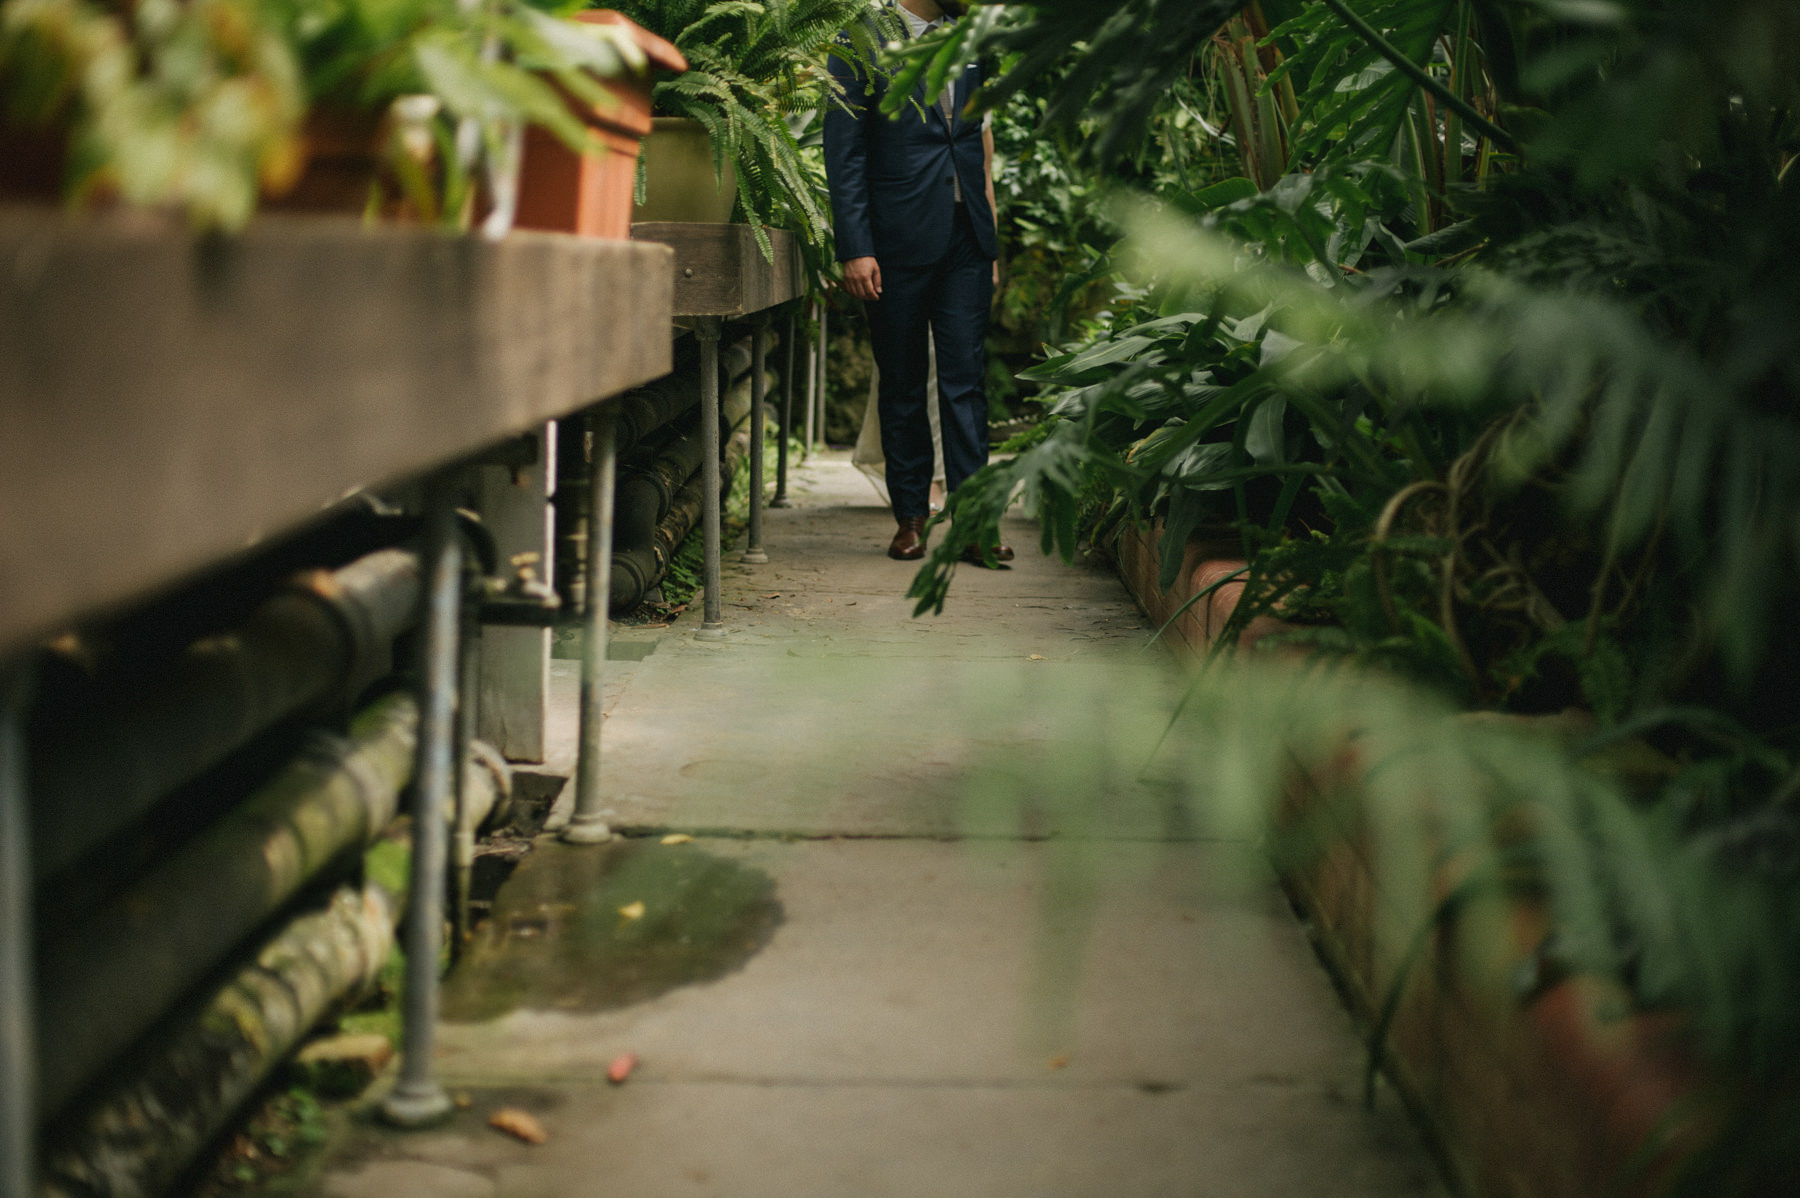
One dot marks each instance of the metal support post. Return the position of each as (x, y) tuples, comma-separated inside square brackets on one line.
[(586, 826), (712, 626), (462, 840), (812, 391), (787, 416), (754, 554), (417, 1099), (18, 1022), (824, 362)]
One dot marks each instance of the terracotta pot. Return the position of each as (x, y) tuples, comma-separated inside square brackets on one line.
[(1569, 1094), (679, 181), (591, 193)]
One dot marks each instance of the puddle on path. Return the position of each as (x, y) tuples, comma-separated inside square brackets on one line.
[(558, 940)]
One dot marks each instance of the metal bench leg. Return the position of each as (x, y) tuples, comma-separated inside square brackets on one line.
[(787, 416), (586, 826), (759, 351), (812, 391), (18, 1031), (824, 372), (417, 1099), (712, 626)]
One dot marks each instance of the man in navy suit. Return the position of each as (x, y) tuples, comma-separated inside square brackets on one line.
[(912, 201)]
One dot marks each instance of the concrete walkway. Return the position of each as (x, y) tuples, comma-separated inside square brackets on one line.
[(935, 934)]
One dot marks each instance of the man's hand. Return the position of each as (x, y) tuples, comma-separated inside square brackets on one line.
[(862, 278)]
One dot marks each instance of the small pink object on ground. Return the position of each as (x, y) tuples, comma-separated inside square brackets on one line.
[(621, 1068)]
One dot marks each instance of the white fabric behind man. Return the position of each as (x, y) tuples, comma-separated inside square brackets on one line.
[(868, 457)]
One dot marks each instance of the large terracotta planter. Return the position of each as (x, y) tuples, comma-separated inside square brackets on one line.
[(1565, 1091), (591, 193), (680, 183), (1194, 620)]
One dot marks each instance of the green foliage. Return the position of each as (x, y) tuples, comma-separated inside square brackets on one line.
[(193, 104), (1496, 385), (1131, 55), (1494, 811), (685, 578), (200, 105), (1614, 323), (1053, 230), (756, 78)]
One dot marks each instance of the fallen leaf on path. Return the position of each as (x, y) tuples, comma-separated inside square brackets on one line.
[(677, 838), (633, 910), (1060, 1061), (776, 595), (1035, 657), (621, 1067), (519, 1124)]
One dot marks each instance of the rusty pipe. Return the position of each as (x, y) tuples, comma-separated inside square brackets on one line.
[(328, 633)]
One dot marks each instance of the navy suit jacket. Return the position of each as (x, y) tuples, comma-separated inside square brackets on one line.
[(891, 190)]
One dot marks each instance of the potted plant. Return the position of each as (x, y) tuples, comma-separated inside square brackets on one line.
[(213, 107), (755, 75), (590, 192), (459, 84)]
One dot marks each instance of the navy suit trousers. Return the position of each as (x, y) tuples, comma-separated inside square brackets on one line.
[(948, 301)]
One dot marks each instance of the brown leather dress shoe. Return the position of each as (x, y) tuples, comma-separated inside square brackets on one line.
[(974, 556), (908, 544)]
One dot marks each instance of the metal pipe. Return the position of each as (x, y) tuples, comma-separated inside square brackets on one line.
[(328, 633), (812, 389), (712, 625), (787, 416), (685, 511), (754, 553), (112, 975), (646, 493), (570, 513), (139, 1134), (485, 797), (107, 980), (637, 414), (417, 1099), (18, 1055), (643, 500), (586, 825)]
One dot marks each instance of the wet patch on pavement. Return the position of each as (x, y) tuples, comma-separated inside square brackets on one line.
[(595, 928)]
